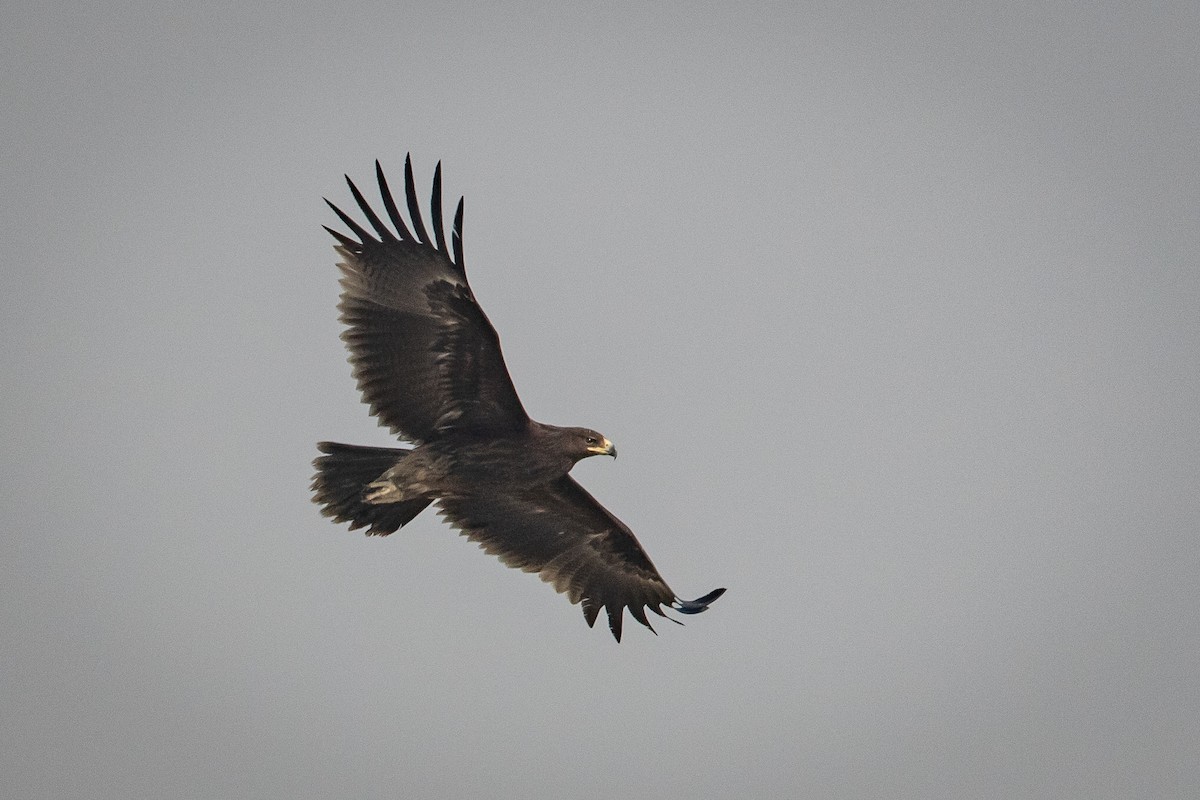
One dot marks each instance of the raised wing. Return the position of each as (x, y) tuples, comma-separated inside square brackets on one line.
[(425, 356), (562, 533)]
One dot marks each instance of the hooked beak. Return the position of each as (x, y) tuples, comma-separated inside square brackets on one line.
[(605, 448)]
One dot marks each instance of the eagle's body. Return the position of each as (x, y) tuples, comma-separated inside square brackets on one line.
[(429, 365)]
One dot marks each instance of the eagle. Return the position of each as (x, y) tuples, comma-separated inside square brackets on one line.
[(428, 364)]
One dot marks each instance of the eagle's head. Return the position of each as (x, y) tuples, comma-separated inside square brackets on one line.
[(584, 442)]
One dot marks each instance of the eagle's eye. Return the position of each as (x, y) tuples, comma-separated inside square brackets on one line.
[(591, 440)]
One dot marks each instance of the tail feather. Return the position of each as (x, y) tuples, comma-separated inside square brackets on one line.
[(342, 475)]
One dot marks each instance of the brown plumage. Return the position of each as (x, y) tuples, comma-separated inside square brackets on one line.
[(428, 364)]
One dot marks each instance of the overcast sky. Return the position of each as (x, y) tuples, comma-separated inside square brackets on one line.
[(893, 311)]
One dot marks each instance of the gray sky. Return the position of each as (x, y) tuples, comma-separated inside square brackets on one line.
[(892, 313)]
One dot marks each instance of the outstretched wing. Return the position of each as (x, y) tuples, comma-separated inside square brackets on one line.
[(425, 356), (562, 533)]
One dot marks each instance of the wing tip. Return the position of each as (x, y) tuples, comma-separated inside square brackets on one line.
[(699, 605), (414, 230)]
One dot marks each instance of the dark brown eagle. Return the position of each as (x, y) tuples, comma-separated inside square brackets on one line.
[(428, 363)]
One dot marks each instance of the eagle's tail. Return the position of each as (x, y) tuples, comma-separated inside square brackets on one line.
[(343, 474)]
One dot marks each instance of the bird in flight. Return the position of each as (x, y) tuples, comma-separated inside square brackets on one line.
[(428, 364)]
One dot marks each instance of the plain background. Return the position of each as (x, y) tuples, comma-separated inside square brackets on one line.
[(893, 311)]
